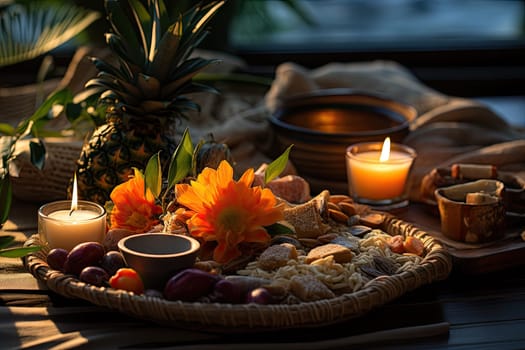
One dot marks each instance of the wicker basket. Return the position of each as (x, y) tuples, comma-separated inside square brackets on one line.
[(240, 317), (18, 103), (50, 183)]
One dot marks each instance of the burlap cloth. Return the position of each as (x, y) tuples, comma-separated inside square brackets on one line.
[(447, 130)]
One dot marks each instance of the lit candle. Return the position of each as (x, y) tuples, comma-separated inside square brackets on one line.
[(64, 224), (378, 173)]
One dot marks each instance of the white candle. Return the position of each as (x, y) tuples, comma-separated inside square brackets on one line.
[(66, 231), (64, 224)]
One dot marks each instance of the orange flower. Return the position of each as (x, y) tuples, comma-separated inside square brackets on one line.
[(227, 211), (133, 208)]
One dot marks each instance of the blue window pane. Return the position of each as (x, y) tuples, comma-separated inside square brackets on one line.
[(376, 24)]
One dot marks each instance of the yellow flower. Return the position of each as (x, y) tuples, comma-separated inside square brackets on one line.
[(133, 208), (227, 211)]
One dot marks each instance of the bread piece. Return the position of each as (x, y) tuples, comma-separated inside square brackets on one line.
[(307, 218), (276, 256), (481, 198), (309, 288), (340, 253)]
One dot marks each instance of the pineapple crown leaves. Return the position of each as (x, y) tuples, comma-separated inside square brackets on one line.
[(154, 61)]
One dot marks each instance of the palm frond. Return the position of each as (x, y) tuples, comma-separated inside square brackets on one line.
[(27, 32)]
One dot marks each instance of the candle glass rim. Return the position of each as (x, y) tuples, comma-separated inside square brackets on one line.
[(377, 146), (82, 204)]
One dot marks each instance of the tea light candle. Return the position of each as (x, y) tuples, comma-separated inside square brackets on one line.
[(378, 173), (64, 224)]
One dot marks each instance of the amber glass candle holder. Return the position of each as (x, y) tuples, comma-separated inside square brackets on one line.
[(380, 184)]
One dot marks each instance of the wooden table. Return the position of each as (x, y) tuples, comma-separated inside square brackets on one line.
[(472, 309)]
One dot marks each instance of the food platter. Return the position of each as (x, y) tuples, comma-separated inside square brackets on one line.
[(473, 258), (513, 196), (435, 265)]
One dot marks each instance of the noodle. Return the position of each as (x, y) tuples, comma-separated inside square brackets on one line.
[(338, 277)]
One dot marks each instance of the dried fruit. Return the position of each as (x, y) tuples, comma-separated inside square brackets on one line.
[(338, 216), (395, 243), (94, 275), (56, 258), (259, 296), (190, 285), (83, 255), (348, 208), (373, 220), (414, 245), (127, 279), (226, 291), (112, 261)]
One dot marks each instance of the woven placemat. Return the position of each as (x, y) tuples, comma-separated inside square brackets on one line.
[(228, 318)]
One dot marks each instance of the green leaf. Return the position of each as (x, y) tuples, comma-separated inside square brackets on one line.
[(29, 31), (38, 154), (60, 97), (18, 252), (118, 45), (153, 175), (7, 129), (123, 27), (5, 241), (164, 15), (5, 198), (6, 149), (156, 30), (279, 229), (276, 167), (143, 24), (180, 164), (167, 51)]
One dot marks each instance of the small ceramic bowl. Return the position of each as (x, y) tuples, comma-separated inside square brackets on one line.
[(322, 124), (158, 256), (472, 212)]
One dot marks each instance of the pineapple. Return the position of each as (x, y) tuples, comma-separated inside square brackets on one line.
[(144, 91)]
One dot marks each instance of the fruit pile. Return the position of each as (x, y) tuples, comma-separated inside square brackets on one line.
[(90, 263)]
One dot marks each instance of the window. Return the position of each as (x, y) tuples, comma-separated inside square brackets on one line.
[(466, 47)]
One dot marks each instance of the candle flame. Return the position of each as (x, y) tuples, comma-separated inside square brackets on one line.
[(74, 196), (385, 151)]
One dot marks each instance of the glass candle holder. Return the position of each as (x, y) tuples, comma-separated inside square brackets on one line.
[(59, 227), (380, 184)]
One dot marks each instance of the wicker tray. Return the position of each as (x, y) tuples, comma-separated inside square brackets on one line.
[(435, 266)]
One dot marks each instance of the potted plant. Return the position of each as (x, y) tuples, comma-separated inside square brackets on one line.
[(29, 71), (28, 33)]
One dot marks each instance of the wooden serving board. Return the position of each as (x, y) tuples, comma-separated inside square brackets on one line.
[(470, 258)]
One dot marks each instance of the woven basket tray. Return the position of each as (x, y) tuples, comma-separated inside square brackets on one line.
[(239, 317), (50, 183)]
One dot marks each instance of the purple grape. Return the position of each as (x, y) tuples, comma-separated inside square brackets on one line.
[(226, 291), (259, 296), (83, 255), (112, 261), (56, 258), (190, 285), (94, 275)]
